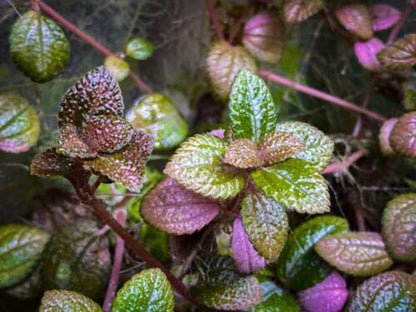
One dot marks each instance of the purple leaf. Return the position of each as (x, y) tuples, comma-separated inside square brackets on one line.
[(366, 52), (173, 209), (327, 296), (356, 18), (219, 133), (245, 256), (384, 16)]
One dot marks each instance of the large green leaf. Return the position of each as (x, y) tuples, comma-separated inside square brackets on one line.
[(295, 183), (299, 266), (197, 165), (355, 253), (265, 222), (252, 110), (147, 291), (67, 301), (21, 247)]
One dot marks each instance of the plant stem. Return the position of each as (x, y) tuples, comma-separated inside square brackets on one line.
[(340, 166), (367, 97), (399, 24), (90, 40), (214, 19), (117, 261), (237, 26), (319, 94)]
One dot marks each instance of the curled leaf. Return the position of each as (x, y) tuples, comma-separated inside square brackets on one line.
[(384, 136), (118, 67), (296, 11), (357, 19), (63, 300), (366, 53), (400, 55), (402, 137), (384, 16)]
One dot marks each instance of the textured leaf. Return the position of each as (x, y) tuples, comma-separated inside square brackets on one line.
[(158, 116), (139, 48), (296, 11), (38, 46), (387, 292), (299, 266), (246, 258), (243, 154), (278, 146), (402, 137), (366, 53), (173, 209), (265, 222), (318, 147), (127, 165), (67, 301), (384, 16), (399, 227), (295, 183), (357, 19), (21, 247), (384, 136), (197, 165), (355, 253), (224, 62), (329, 295), (118, 67), (252, 110), (264, 36), (19, 124), (400, 55), (71, 144), (148, 291)]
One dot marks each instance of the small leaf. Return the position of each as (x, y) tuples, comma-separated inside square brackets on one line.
[(127, 165), (387, 292), (403, 134), (147, 291), (21, 247), (296, 184), (366, 53), (357, 19), (38, 46), (243, 154), (252, 110), (224, 62), (265, 222), (355, 253), (384, 16), (246, 258), (71, 144), (118, 67), (329, 295), (318, 147), (296, 11), (400, 55), (19, 124), (139, 48), (384, 136), (172, 208), (278, 146), (159, 117), (399, 227), (68, 301), (197, 165)]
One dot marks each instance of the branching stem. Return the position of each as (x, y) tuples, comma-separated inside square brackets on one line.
[(214, 19)]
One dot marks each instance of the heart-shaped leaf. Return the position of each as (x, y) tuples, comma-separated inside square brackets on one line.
[(399, 227), (252, 110), (295, 183), (21, 247), (265, 222), (71, 301), (318, 148), (384, 16), (400, 55), (173, 209), (403, 134), (357, 19), (355, 253), (19, 124), (387, 292), (139, 48), (224, 62), (299, 266), (296, 11), (197, 165), (384, 137), (366, 53), (38, 46), (148, 290)]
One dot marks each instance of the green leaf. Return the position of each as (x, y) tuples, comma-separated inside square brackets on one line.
[(139, 48), (295, 183), (318, 147), (38, 46), (265, 222), (67, 301), (118, 67), (296, 11), (21, 247), (252, 110), (159, 117), (299, 266), (399, 227), (400, 55), (148, 291), (197, 165), (355, 253), (243, 154), (19, 124), (388, 292)]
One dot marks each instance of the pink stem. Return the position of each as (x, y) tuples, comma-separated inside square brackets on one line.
[(340, 166), (237, 27), (214, 19), (319, 94), (399, 24)]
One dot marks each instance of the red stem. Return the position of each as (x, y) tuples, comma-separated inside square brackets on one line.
[(340, 166), (214, 19), (117, 261), (237, 26), (319, 94), (90, 40), (399, 24)]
